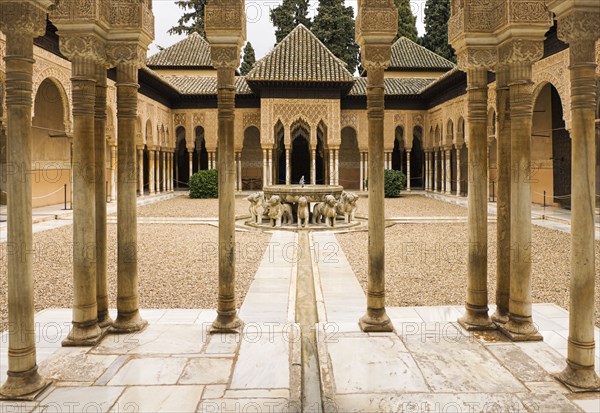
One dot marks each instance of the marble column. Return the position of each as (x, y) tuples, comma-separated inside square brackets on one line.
[(366, 169), (164, 170), (580, 30), (128, 314), (265, 168), (104, 319), (313, 166), (520, 326), (151, 174), (270, 167), (191, 161), (476, 308), (362, 172), (239, 171), (408, 170), (337, 166), (171, 156), (288, 166), (21, 22), (85, 330), (227, 320), (434, 171), (458, 174), (503, 244), (140, 167), (376, 318), (331, 172), (448, 171), (113, 172)]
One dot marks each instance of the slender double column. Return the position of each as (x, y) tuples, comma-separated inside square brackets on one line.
[(408, 170), (448, 171), (376, 318), (18, 21), (227, 320), (104, 319), (128, 314), (140, 167), (113, 173), (151, 172), (476, 308), (313, 165), (265, 168), (520, 326), (191, 161), (580, 30), (238, 157), (503, 200), (458, 174), (288, 165), (85, 330)]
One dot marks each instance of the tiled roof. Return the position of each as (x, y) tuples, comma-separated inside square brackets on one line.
[(300, 57), (203, 85), (407, 55), (393, 86), (193, 51)]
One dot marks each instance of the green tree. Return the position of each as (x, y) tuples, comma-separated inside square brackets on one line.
[(407, 22), (437, 13), (334, 26), (192, 19), (248, 60), (288, 15)]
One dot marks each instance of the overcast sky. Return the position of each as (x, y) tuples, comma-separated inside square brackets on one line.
[(260, 31)]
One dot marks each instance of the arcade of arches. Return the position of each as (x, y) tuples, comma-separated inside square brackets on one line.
[(513, 108)]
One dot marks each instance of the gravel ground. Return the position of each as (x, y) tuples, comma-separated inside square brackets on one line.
[(409, 205), (184, 206), (175, 271), (428, 266)]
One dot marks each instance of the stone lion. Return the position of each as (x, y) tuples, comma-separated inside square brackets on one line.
[(347, 206), (330, 210), (279, 213), (257, 207), (303, 212)]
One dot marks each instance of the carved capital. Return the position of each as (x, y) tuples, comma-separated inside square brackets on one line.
[(24, 18), (227, 56), (126, 52), (520, 51), (478, 58), (580, 30), (83, 45), (376, 22), (529, 11), (376, 56)]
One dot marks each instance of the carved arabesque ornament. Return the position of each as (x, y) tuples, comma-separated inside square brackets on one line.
[(521, 51), (78, 45), (580, 30), (24, 17)]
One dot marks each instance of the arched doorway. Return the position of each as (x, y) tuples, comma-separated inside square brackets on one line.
[(320, 155), (399, 154), (51, 150), (300, 159), (279, 155), (183, 163), (252, 160), (550, 150), (349, 163), (200, 159), (417, 160)]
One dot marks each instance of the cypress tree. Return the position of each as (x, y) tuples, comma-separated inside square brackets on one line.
[(334, 26), (437, 13), (288, 15), (248, 60), (191, 21), (407, 22)]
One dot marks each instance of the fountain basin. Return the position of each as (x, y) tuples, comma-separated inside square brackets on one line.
[(312, 193)]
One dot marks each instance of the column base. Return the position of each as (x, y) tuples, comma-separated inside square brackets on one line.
[(24, 386), (128, 323), (579, 379), (227, 323), (520, 330), (476, 320), (376, 321), (500, 317), (87, 336), (104, 320)]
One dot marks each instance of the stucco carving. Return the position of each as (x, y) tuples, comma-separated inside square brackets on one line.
[(180, 119), (251, 119)]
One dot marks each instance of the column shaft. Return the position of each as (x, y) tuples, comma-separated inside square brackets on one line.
[(313, 166), (458, 174), (288, 166), (113, 172), (191, 161), (164, 171), (239, 171), (85, 329), (23, 377), (270, 167), (408, 170), (376, 318), (448, 171), (503, 199), (265, 168), (476, 308), (140, 163), (520, 325), (227, 319), (580, 358), (128, 315), (104, 319), (362, 172), (151, 177)]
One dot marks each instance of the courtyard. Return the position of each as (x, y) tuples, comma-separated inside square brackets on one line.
[(428, 362)]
